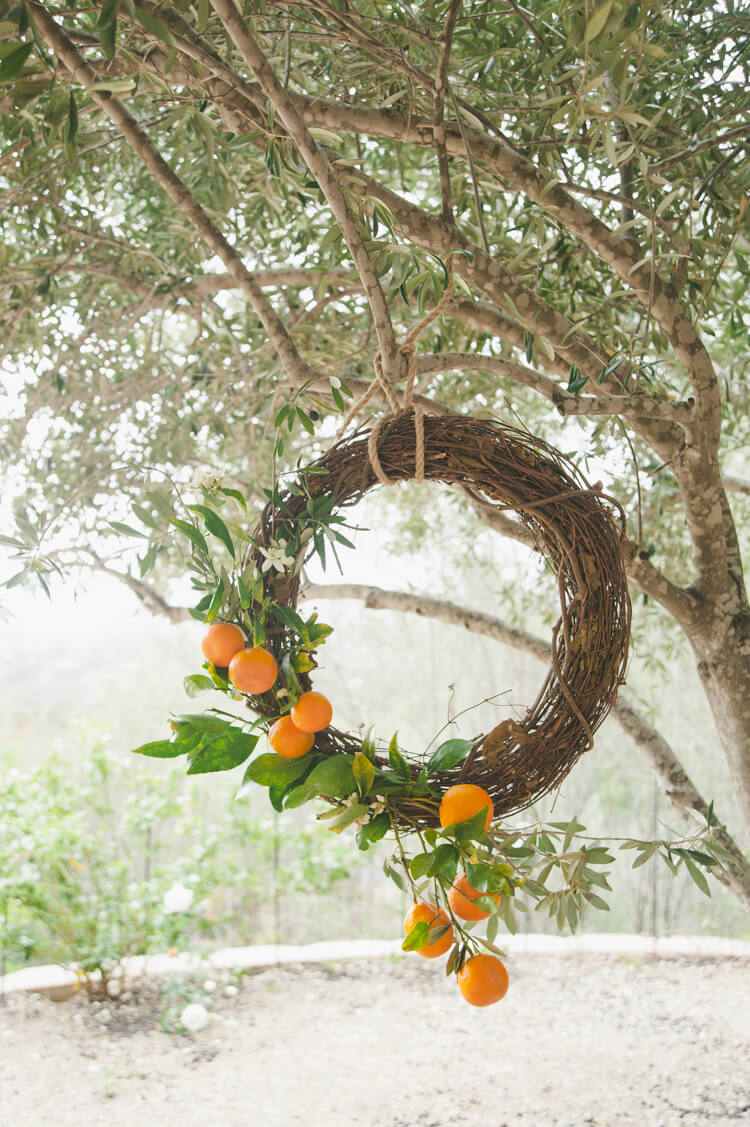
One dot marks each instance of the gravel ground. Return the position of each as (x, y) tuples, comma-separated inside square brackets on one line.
[(587, 1041)]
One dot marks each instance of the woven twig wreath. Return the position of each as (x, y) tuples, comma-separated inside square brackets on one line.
[(578, 531)]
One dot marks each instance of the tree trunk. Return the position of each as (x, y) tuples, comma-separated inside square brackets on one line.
[(722, 651)]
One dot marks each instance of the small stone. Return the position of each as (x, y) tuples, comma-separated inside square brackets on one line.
[(194, 1017)]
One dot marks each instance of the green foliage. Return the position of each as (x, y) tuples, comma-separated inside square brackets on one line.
[(121, 352), (86, 859)]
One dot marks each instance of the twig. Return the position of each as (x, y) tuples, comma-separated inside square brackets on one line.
[(441, 86), (322, 169)]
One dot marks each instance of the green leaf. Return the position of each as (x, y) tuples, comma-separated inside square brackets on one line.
[(483, 877), (417, 937), (645, 854), (597, 21), (222, 753), (290, 618), (106, 27), (270, 770), (420, 865), (508, 915), (470, 830), (698, 877), (394, 875), (348, 815), (449, 755), (215, 526), (154, 25), (162, 749), (333, 778), (126, 529), (204, 11), (364, 773), (197, 683), (597, 901), (572, 827), (12, 64), (396, 759), (234, 494), (373, 831), (147, 561), (445, 862), (576, 380), (194, 535), (217, 599), (71, 126)]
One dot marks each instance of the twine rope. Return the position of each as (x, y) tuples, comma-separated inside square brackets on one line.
[(409, 355)]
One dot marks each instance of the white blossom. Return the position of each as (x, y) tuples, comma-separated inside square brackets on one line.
[(275, 556), (177, 899)]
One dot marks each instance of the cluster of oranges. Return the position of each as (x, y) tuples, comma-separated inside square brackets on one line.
[(254, 670), (483, 979)]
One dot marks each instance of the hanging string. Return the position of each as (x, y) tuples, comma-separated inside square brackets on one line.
[(383, 384)]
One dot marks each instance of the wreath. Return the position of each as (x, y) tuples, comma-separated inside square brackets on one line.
[(453, 848)]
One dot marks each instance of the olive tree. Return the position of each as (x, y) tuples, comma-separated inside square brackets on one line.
[(218, 217)]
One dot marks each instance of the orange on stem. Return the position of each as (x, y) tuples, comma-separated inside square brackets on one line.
[(462, 801), (461, 899), (483, 980), (253, 671), (436, 918), (221, 642), (288, 741), (312, 712)]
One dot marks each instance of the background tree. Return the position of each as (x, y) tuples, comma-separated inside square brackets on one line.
[(210, 214)]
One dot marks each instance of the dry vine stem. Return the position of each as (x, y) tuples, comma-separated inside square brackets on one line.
[(575, 528)]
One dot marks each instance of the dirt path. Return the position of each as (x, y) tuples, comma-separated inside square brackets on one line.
[(578, 1042)]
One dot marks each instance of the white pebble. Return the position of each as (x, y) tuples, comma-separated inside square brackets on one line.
[(209, 986), (194, 1017), (230, 991)]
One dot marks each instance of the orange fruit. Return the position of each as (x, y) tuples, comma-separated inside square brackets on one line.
[(483, 980), (253, 671), (312, 712), (221, 642), (436, 918), (288, 741), (461, 899), (463, 801)]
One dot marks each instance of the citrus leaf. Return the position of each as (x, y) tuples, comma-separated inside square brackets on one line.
[(417, 937), (197, 683), (215, 526), (449, 755), (271, 770), (161, 749), (364, 773)]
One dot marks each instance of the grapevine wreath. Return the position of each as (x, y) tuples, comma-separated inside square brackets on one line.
[(571, 524), (462, 864)]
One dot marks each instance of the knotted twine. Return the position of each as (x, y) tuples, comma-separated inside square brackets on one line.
[(382, 383)]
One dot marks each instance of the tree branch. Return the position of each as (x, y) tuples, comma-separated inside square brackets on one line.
[(63, 48), (628, 406), (681, 602), (441, 87), (678, 785), (322, 170)]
